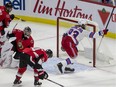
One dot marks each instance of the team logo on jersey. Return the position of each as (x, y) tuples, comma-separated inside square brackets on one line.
[(103, 15)]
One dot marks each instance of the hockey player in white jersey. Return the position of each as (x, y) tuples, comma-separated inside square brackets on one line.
[(70, 41)]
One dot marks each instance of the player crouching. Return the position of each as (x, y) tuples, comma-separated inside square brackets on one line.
[(33, 57)]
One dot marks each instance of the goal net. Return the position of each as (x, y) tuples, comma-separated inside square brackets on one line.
[(89, 49)]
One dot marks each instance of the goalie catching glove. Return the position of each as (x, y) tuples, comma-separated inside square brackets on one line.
[(42, 75), (103, 32)]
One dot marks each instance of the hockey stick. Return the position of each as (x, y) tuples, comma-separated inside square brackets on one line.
[(16, 24), (55, 82), (20, 19), (106, 26)]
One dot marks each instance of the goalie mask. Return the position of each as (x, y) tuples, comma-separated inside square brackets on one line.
[(27, 32), (8, 7), (49, 53)]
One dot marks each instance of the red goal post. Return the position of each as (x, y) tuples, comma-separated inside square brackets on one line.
[(59, 19)]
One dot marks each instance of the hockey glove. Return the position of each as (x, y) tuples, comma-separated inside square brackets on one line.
[(42, 75), (62, 49), (12, 16), (103, 32), (2, 32)]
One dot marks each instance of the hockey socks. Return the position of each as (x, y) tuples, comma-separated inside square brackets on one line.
[(19, 75)]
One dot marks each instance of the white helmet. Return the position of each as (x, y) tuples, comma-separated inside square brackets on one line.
[(82, 21)]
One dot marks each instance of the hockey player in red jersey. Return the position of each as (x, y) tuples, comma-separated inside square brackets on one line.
[(33, 57), (23, 40), (5, 19), (70, 41)]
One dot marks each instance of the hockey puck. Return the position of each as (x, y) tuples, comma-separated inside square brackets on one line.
[(90, 62)]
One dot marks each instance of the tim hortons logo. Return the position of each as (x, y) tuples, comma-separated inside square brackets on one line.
[(60, 10), (103, 15)]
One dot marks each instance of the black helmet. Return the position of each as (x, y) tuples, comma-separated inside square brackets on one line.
[(49, 53), (8, 5)]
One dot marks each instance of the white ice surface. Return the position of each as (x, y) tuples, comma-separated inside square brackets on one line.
[(84, 76)]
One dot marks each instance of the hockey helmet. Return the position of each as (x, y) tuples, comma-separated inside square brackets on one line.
[(27, 31), (82, 23), (49, 53), (9, 6)]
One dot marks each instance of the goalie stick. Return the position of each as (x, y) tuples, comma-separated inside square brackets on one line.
[(55, 82)]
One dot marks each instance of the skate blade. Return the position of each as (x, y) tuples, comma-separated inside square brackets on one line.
[(37, 86), (17, 85)]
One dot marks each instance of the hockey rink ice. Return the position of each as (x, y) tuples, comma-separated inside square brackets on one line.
[(84, 76)]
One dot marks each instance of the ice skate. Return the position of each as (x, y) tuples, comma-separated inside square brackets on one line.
[(37, 83), (17, 83), (59, 68), (69, 70)]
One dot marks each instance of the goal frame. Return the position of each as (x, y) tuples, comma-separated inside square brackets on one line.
[(74, 21)]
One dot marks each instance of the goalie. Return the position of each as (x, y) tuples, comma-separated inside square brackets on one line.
[(70, 41)]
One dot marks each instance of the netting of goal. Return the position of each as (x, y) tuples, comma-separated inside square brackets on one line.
[(88, 47)]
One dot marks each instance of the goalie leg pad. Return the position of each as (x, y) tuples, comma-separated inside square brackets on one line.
[(7, 59)]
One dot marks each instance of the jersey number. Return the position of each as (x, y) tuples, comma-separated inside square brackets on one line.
[(73, 33)]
